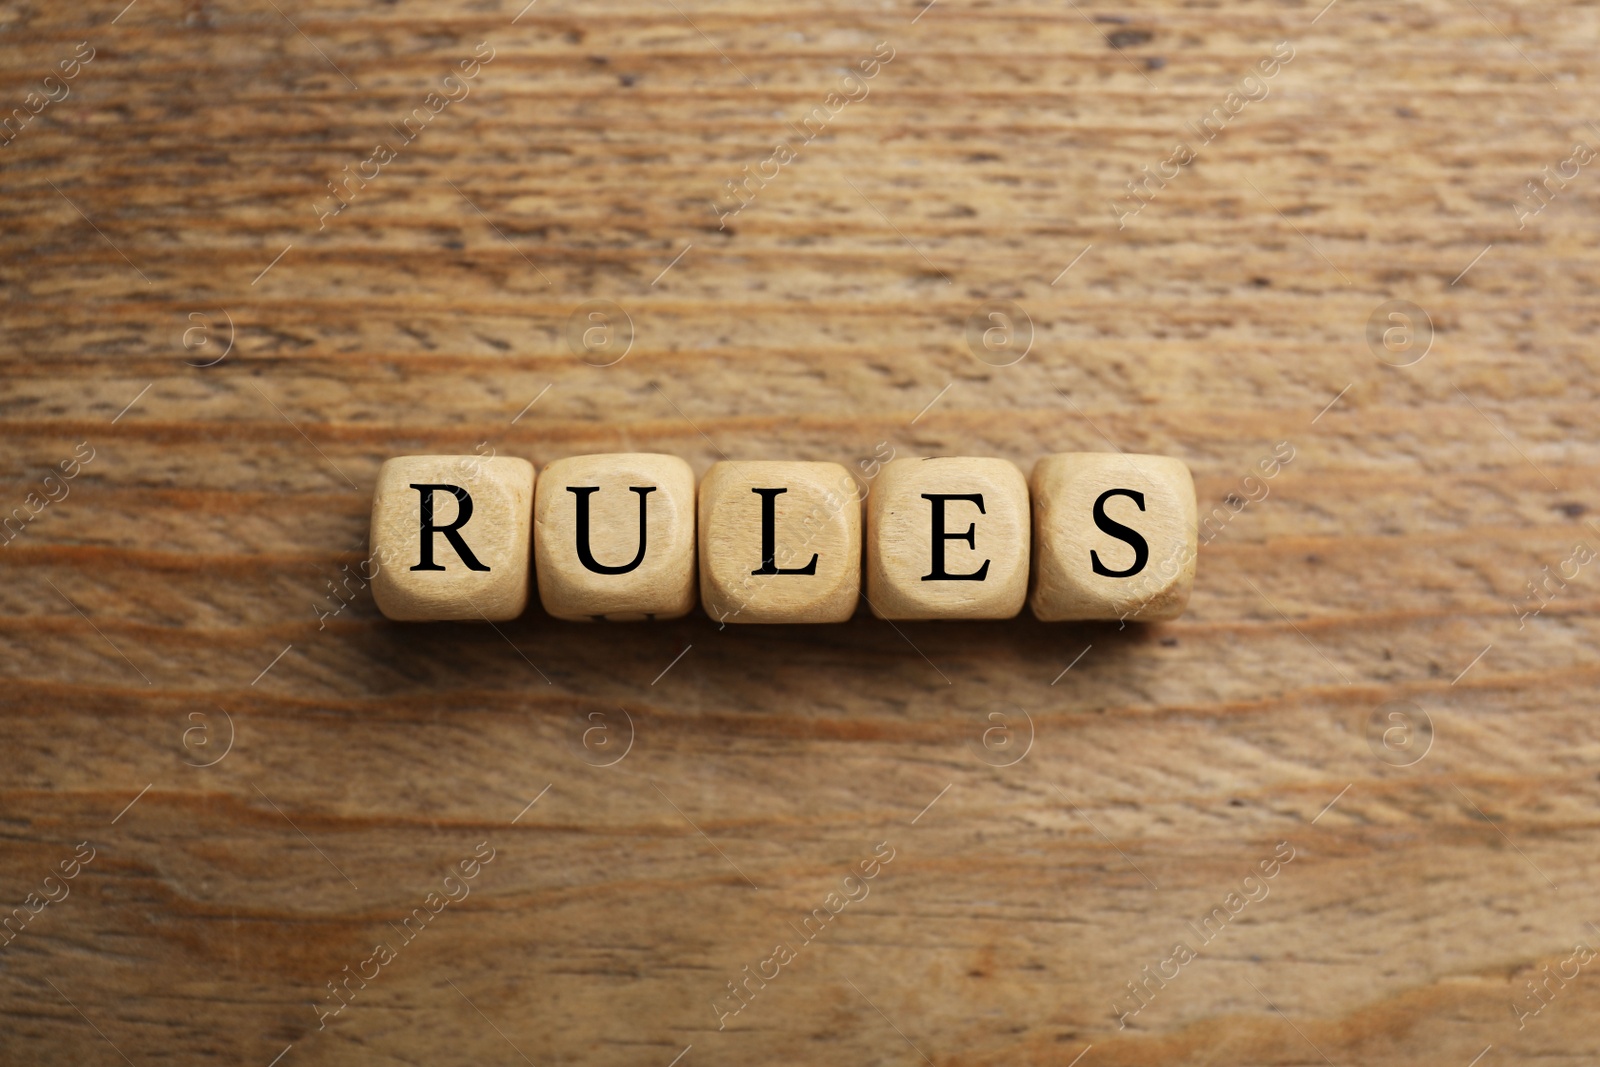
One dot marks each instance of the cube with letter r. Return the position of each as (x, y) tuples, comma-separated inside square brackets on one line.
[(450, 537)]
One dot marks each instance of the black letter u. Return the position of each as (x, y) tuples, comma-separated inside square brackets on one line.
[(585, 554)]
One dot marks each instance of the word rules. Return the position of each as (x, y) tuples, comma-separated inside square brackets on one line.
[(631, 536)]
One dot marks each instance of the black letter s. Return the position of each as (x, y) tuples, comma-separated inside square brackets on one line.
[(1141, 549)]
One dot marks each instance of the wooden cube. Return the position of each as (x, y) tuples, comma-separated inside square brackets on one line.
[(614, 537), (1114, 536), (450, 537), (947, 539), (780, 542)]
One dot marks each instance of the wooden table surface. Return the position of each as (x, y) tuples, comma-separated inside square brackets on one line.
[(266, 781)]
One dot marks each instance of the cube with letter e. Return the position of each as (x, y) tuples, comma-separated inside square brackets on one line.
[(947, 539)]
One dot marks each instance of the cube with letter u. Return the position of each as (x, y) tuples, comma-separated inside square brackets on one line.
[(614, 537)]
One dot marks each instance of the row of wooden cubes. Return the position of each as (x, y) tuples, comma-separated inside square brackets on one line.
[(625, 536)]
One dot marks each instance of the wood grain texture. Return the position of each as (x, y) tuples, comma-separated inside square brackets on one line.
[(1054, 830)]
